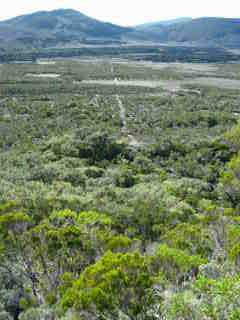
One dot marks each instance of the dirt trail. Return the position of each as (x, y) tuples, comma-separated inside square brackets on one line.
[(122, 110), (132, 141), (95, 101), (122, 113)]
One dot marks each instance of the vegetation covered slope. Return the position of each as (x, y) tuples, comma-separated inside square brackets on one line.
[(150, 25), (218, 31), (69, 27), (55, 27), (102, 218)]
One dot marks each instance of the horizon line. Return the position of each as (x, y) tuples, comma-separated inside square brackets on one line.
[(123, 25)]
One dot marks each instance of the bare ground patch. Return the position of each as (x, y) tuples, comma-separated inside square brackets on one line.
[(172, 85)]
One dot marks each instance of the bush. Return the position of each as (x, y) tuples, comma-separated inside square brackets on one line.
[(94, 172), (194, 239), (45, 174), (176, 264), (76, 177), (98, 147), (115, 282), (125, 179), (230, 180)]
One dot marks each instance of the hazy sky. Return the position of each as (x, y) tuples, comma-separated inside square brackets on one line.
[(127, 12)]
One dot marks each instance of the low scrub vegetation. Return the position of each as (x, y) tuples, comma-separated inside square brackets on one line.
[(101, 221)]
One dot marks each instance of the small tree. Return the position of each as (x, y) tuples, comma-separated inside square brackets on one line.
[(117, 282)]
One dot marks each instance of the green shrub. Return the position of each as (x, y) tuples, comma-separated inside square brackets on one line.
[(94, 172), (116, 281), (194, 239), (176, 264), (125, 178)]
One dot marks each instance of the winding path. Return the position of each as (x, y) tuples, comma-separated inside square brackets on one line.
[(122, 110), (122, 113)]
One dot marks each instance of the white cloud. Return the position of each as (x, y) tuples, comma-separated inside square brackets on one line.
[(128, 12)]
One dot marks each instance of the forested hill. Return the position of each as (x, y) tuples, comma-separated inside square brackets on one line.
[(56, 26), (216, 31), (150, 25), (66, 27)]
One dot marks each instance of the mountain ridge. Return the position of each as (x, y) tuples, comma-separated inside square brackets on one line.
[(57, 25), (68, 26), (205, 30), (167, 22)]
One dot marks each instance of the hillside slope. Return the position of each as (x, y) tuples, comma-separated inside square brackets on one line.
[(150, 25), (217, 31), (70, 27), (56, 26)]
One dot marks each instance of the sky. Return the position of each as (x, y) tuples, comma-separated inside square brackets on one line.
[(127, 12)]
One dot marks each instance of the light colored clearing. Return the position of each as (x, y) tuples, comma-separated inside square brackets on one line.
[(167, 84), (43, 75), (174, 66), (46, 62), (171, 85), (194, 67), (216, 82), (187, 68), (133, 142)]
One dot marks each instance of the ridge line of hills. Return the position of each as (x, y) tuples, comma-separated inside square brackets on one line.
[(67, 26)]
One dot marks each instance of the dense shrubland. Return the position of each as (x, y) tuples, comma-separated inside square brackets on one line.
[(95, 227), (18, 51)]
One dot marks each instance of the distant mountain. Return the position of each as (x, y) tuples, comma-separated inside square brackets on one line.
[(206, 31), (57, 26), (151, 25), (69, 28)]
